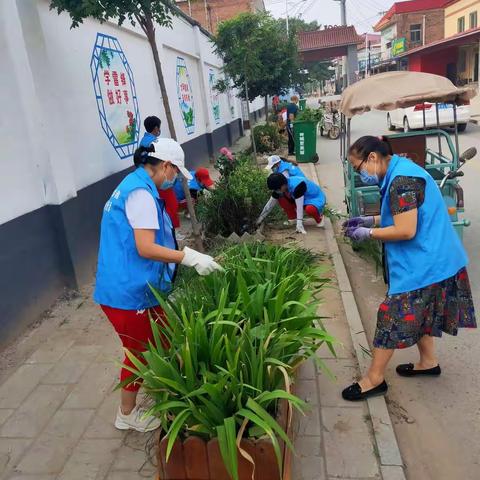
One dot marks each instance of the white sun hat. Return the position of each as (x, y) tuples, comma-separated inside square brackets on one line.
[(171, 151), (272, 160)]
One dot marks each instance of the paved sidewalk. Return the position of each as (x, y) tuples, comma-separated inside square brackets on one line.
[(334, 440), (57, 407)]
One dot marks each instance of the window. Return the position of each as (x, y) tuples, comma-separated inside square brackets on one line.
[(461, 25), (416, 33), (473, 20)]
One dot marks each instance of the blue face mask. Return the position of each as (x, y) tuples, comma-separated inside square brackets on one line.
[(368, 179), (168, 183)]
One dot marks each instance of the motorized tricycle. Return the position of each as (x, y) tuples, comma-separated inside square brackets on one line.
[(331, 117), (392, 90)]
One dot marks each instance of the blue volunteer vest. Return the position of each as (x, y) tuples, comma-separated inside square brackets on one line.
[(292, 170), (148, 139), (435, 253), (193, 184), (314, 194), (123, 276)]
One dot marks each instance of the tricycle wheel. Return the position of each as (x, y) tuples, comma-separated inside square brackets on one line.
[(315, 158)]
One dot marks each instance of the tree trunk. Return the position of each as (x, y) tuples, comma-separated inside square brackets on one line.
[(149, 29), (254, 146), (267, 120)]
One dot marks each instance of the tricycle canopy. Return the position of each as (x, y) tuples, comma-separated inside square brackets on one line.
[(392, 90)]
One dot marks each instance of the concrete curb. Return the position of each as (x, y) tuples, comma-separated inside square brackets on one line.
[(391, 463)]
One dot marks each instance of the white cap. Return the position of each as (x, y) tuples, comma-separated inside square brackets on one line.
[(272, 160), (171, 151)]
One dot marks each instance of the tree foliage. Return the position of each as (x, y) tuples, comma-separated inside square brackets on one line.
[(135, 11), (255, 49)]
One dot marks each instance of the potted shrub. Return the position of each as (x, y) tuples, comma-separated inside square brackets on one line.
[(222, 385)]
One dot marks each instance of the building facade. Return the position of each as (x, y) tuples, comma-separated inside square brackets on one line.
[(408, 25), (369, 53), (209, 13), (462, 16)]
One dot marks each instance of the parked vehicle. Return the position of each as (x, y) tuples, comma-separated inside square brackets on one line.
[(412, 118), (331, 118), (401, 91)]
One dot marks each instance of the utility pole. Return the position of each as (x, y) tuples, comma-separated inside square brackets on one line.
[(286, 14), (343, 12)]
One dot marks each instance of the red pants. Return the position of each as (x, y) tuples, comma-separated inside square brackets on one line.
[(291, 210), (133, 328), (171, 205)]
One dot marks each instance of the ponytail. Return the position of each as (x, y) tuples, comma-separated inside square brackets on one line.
[(142, 157), (364, 146)]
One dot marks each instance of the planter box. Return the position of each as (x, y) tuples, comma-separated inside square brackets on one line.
[(197, 459)]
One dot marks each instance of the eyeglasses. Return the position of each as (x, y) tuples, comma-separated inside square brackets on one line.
[(357, 168)]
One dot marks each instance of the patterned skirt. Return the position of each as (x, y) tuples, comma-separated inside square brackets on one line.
[(403, 319)]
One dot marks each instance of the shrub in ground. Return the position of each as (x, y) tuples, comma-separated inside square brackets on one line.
[(237, 200), (267, 138)]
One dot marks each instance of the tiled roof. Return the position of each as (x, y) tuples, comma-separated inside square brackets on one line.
[(327, 38), (408, 7)]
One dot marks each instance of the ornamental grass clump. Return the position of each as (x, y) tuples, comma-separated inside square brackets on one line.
[(233, 342)]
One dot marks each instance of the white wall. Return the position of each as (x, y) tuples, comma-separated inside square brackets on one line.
[(53, 143)]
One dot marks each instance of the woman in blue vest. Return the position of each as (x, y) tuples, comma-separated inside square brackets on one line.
[(138, 250), (277, 164), (300, 194), (428, 289)]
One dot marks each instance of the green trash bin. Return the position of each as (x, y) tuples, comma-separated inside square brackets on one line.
[(302, 104), (305, 136)]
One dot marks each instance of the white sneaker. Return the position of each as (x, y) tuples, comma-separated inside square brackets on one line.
[(136, 420), (289, 222), (322, 223)]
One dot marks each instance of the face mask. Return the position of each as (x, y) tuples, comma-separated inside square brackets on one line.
[(368, 179), (168, 183)]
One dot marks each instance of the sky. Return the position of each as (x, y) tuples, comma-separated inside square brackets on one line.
[(361, 13)]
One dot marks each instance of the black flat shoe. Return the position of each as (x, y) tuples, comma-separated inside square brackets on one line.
[(354, 393), (408, 370)]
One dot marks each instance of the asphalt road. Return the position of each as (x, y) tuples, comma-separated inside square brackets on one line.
[(437, 421)]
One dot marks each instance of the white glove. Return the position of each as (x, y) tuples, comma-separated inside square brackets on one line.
[(300, 227), (203, 264)]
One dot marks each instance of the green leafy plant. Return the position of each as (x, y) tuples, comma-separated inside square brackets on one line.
[(267, 138), (237, 200), (310, 115), (233, 341)]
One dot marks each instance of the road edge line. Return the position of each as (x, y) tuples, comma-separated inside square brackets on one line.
[(390, 458)]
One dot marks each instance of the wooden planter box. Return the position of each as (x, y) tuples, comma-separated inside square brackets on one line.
[(197, 459)]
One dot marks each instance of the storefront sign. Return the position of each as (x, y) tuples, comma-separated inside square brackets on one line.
[(212, 80), (399, 46), (115, 95), (185, 96)]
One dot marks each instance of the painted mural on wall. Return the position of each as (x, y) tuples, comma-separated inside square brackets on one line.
[(115, 95), (212, 80), (185, 96)]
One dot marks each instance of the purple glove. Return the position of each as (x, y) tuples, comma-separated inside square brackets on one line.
[(358, 234), (355, 222)]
